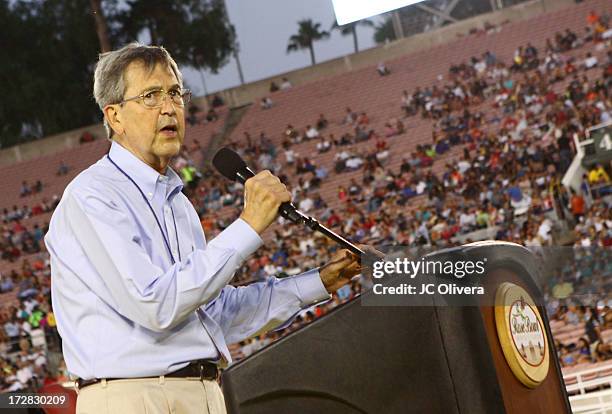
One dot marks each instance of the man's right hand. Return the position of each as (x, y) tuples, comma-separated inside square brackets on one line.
[(263, 194)]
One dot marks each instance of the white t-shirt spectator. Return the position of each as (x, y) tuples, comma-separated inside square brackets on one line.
[(463, 166), (312, 133), (382, 155), (265, 161), (266, 103), (354, 163), (590, 62), (306, 244), (11, 329), (323, 146), (467, 220), (286, 84), (290, 156), (26, 327), (458, 91), (40, 359), (421, 186), (585, 241), (544, 230), (272, 269), (480, 66), (341, 156), (15, 386), (306, 204), (24, 374)]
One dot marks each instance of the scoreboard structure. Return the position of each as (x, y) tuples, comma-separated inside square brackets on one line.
[(596, 145)]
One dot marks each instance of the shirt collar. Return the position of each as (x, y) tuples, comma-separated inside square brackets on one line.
[(143, 174)]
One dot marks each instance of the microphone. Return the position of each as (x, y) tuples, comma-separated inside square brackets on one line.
[(229, 164)]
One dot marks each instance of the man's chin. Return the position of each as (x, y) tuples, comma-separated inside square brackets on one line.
[(168, 147)]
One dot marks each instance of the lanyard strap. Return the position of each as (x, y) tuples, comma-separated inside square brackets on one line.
[(166, 242), (201, 314)]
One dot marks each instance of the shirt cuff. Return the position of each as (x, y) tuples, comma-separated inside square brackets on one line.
[(239, 236), (310, 288)]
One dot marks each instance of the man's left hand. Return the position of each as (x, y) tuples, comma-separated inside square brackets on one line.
[(339, 270), (343, 265)]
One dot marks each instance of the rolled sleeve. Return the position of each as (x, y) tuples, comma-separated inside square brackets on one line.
[(239, 236), (310, 288)]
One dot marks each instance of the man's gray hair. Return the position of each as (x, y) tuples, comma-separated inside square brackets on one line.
[(109, 79)]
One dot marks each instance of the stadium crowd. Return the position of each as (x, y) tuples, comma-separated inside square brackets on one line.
[(513, 123)]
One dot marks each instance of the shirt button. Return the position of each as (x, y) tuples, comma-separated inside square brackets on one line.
[(150, 194)]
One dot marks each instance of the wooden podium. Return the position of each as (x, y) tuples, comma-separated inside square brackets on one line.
[(416, 359)]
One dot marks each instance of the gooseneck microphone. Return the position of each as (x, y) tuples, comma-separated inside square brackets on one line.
[(232, 166)]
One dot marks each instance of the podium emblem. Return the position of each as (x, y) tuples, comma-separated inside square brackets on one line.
[(521, 333)]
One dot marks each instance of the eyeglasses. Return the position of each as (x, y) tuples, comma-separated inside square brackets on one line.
[(155, 98)]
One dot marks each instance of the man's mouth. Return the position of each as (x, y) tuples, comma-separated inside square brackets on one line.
[(169, 130)]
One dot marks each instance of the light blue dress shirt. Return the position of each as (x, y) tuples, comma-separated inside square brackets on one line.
[(131, 302)]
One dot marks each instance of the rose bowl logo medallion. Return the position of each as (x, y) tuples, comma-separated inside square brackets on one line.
[(521, 333)]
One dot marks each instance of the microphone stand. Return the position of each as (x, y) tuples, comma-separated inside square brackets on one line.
[(313, 224)]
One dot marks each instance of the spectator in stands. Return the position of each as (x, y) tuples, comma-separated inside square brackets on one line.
[(577, 205), (323, 145), (6, 283), (86, 137), (193, 114), (285, 84), (389, 130), (62, 169), (360, 135), (583, 351), (292, 134), (273, 87), (13, 332), (211, 115), (25, 189), (217, 101), (590, 61), (598, 175), (311, 132), (603, 352), (382, 69), (322, 122), (351, 117), (266, 103), (592, 327)]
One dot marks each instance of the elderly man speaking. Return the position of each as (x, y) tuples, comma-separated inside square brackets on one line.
[(142, 300)]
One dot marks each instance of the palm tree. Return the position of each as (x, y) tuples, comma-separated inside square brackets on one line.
[(351, 29), (307, 33), (384, 31)]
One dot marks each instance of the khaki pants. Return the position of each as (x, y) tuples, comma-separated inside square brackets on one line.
[(160, 395)]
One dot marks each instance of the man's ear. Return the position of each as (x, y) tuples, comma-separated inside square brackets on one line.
[(113, 117)]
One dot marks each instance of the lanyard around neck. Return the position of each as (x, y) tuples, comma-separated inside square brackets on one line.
[(166, 242)]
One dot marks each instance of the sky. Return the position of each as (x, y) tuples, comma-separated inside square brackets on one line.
[(263, 29)]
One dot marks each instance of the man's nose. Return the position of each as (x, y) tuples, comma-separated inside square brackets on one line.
[(168, 107)]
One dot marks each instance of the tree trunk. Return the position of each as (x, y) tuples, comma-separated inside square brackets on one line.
[(153, 32), (203, 79), (312, 56), (355, 43), (101, 28)]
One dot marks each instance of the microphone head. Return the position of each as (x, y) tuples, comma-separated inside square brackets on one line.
[(228, 163)]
